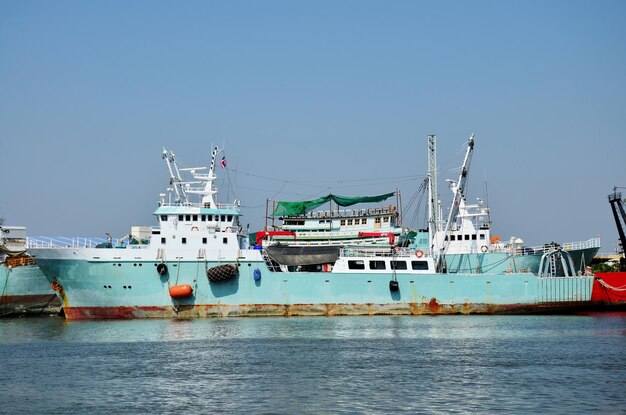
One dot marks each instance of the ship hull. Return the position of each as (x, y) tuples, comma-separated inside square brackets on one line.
[(26, 291), (609, 290), (96, 288)]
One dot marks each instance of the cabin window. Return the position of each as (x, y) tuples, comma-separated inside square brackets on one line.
[(473, 237), (482, 236), (184, 241), (419, 265), (377, 220), (364, 221), (163, 241), (467, 237), (349, 221), (223, 218), (386, 219), (204, 240), (188, 218), (342, 222), (163, 218), (452, 237), (180, 218), (398, 265), (203, 218), (357, 221), (195, 218), (356, 264), (446, 238), (230, 218), (377, 265), (224, 241), (321, 221)]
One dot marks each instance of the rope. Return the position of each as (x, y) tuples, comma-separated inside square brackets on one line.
[(604, 284), (4, 291)]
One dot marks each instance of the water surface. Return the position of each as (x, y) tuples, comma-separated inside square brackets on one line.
[(443, 364)]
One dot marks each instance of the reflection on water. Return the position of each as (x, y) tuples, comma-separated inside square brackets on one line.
[(512, 364)]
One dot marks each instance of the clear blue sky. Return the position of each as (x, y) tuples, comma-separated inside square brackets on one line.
[(311, 97)]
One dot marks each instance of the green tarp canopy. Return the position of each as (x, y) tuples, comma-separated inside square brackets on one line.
[(298, 208)]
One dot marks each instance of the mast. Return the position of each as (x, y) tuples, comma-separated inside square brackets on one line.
[(433, 211), (459, 195), (208, 190)]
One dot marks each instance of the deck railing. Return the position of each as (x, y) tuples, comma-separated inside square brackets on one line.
[(347, 213), (542, 249), (383, 252), (231, 206), (67, 242)]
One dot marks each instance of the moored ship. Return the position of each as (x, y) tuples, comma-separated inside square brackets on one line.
[(24, 289), (469, 246), (198, 263)]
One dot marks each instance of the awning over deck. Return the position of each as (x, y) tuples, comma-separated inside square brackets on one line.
[(298, 208)]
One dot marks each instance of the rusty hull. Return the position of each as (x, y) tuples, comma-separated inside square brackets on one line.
[(19, 305), (431, 307)]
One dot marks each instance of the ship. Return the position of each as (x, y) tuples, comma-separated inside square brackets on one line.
[(609, 288), (198, 263), (469, 244), (24, 289), (301, 224)]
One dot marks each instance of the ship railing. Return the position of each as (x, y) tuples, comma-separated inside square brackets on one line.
[(232, 206), (383, 210), (67, 242), (381, 251), (339, 234), (542, 249)]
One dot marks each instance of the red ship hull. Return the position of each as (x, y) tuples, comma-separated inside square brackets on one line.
[(609, 289)]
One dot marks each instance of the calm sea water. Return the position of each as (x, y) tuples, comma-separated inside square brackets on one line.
[(445, 364)]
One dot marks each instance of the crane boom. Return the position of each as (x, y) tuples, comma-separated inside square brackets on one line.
[(459, 193)]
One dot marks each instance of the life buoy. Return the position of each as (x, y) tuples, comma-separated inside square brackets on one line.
[(419, 253), (195, 228), (484, 248), (228, 229), (55, 286)]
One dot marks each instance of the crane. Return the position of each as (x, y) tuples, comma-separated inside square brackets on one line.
[(617, 205)]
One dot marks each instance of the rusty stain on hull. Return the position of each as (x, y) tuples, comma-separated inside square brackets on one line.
[(11, 305), (304, 310)]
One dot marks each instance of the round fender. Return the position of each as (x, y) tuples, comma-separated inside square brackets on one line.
[(162, 268)]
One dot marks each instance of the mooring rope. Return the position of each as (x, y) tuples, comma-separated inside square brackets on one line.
[(604, 284)]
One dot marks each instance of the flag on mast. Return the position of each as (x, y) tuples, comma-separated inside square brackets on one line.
[(223, 162)]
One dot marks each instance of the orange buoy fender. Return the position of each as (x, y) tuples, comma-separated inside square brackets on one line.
[(180, 291)]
